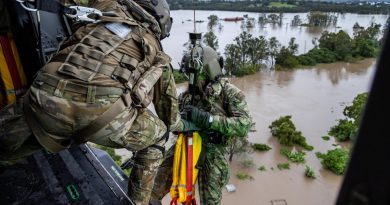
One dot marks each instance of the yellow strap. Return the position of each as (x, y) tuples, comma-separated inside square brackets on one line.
[(22, 75), (6, 78), (178, 189)]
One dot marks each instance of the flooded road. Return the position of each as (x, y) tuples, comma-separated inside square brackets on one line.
[(315, 97)]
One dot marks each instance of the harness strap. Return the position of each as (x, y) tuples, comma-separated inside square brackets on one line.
[(84, 134), (189, 144)]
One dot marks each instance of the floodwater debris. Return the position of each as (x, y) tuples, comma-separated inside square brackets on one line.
[(282, 166), (243, 176), (230, 188), (294, 156), (309, 172), (261, 147), (326, 138), (262, 168), (278, 202)]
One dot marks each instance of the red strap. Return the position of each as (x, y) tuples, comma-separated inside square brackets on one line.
[(173, 201), (11, 63), (189, 167)]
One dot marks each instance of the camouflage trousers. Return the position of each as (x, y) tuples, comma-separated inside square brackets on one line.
[(213, 175), (141, 137)]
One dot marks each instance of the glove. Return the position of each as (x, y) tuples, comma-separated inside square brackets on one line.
[(189, 126), (201, 118)]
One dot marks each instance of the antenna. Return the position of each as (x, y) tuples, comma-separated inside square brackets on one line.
[(193, 8), (194, 36)]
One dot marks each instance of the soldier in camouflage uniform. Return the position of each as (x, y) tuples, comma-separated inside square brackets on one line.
[(221, 112), (97, 89)]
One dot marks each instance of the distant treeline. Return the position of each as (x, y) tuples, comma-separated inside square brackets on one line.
[(282, 6)]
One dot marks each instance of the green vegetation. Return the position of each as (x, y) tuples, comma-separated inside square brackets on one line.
[(281, 5), (284, 129), (261, 147), (317, 18), (246, 54), (211, 40), (347, 128), (326, 138), (262, 168), (243, 176), (297, 156), (179, 77), (309, 172), (282, 166), (247, 163), (213, 21), (332, 47), (335, 160)]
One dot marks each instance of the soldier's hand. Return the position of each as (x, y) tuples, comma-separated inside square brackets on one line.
[(200, 117), (189, 126)]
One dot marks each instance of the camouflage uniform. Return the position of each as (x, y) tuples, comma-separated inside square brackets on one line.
[(66, 98), (231, 118)]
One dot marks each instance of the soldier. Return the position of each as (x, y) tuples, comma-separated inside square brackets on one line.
[(97, 88), (221, 112)]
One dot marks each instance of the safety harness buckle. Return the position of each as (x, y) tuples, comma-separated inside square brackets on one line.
[(85, 14)]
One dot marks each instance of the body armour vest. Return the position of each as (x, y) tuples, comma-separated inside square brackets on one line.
[(116, 52)]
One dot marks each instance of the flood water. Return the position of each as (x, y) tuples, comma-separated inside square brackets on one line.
[(315, 97), (173, 45)]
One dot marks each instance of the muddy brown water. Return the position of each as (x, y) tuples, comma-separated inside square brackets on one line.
[(315, 97)]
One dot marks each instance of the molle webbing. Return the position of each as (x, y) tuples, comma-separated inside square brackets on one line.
[(97, 45), (73, 87)]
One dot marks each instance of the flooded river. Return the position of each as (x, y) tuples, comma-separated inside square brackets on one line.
[(173, 45), (315, 97)]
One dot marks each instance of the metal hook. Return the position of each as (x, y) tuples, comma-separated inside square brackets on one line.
[(25, 7)]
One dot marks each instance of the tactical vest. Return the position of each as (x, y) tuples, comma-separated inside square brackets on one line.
[(118, 52), (116, 55)]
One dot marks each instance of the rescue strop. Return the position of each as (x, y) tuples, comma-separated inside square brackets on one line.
[(13, 82), (187, 152)]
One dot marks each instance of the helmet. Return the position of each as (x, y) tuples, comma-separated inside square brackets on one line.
[(159, 9), (212, 63), (209, 58)]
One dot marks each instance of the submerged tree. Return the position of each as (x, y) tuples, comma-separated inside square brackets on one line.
[(317, 18), (335, 160), (347, 128), (238, 145), (213, 21), (284, 129), (296, 21), (293, 46), (211, 40), (273, 49)]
